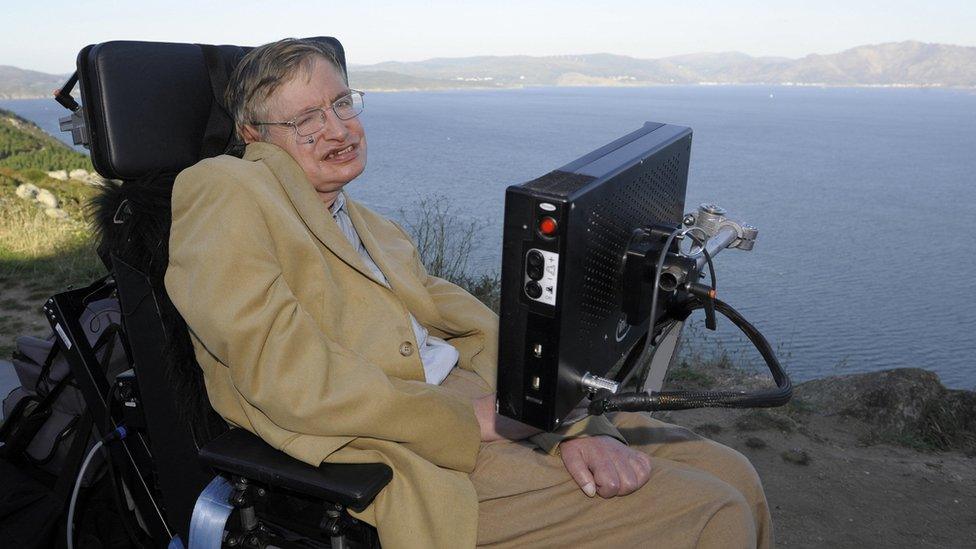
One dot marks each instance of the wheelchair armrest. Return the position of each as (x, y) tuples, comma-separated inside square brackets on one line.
[(240, 452)]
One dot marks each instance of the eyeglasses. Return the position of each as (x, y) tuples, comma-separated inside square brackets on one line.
[(312, 121)]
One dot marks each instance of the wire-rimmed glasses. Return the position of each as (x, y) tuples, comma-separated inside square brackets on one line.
[(312, 121)]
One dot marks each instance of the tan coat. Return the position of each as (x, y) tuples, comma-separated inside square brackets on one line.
[(300, 344)]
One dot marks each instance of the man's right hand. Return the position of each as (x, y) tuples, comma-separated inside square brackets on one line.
[(603, 465), (496, 427)]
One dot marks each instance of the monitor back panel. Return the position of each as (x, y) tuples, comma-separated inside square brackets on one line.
[(566, 320)]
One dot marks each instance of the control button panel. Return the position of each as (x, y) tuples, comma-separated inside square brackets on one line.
[(541, 273)]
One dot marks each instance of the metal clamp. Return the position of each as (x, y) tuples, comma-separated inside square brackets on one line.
[(594, 383), (719, 231)]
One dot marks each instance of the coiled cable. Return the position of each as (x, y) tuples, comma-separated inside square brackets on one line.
[(685, 400)]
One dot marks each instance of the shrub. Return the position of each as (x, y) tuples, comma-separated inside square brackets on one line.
[(34, 175), (445, 247)]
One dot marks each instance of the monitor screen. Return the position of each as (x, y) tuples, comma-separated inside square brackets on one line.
[(565, 238)]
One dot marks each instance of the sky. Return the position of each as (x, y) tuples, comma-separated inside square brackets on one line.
[(46, 35)]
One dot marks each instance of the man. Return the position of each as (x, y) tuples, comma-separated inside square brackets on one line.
[(318, 328)]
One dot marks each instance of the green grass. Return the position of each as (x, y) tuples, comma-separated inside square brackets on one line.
[(945, 423), (688, 376), (41, 253)]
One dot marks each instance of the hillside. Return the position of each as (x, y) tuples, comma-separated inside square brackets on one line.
[(24, 146), (388, 81), (893, 64), (24, 84), (44, 244)]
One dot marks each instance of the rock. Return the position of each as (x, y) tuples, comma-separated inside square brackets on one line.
[(96, 180), (46, 198), (27, 191), (755, 443), (60, 175), (55, 213), (892, 399), (909, 406), (79, 174), (796, 456)]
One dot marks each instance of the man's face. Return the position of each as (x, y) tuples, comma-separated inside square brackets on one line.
[(333, 156)]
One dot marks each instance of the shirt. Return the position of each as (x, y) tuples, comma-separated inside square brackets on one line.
[(437, 356)]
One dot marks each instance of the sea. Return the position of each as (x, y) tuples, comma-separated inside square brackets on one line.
[(864, 200)]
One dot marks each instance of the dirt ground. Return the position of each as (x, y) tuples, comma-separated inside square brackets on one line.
[(827, 488)]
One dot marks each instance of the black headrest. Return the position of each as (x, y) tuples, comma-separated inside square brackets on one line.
[(148, 105)]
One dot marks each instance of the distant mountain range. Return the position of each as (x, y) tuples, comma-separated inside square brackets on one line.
[(915, 64), (24, 84), (892, 64)]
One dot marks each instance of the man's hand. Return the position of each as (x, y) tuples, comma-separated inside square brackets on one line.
[(496, 427), (604, 465)]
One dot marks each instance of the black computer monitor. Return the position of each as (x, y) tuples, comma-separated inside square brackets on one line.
[(565, 238)]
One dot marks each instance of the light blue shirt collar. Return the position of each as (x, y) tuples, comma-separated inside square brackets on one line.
[(339, 205)]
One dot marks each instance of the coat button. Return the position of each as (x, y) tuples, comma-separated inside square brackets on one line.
[(406, 348)]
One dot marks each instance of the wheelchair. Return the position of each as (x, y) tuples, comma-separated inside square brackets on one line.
[(149, 110)]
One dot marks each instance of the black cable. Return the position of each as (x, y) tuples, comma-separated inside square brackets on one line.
[(656, 288), (684, 400), (708, 258)]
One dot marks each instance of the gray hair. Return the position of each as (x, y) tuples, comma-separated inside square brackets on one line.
[(264, 69)]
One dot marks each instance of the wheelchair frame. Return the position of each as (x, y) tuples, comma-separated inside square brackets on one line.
[(234, 491)]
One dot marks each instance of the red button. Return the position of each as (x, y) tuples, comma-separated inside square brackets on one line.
[(548, 226)]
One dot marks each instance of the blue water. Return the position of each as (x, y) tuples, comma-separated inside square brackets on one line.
[(863, 197)]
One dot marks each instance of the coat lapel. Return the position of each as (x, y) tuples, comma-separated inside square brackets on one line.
[(304, 199), (411, 292)]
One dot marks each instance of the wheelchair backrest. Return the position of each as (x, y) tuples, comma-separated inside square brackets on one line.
[(148, 105)]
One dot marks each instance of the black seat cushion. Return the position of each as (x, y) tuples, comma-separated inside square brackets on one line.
[(240, 452)]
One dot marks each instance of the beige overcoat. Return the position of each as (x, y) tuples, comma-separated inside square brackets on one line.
[(300, 344)]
